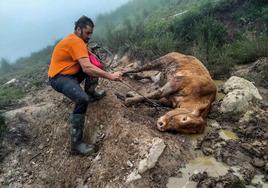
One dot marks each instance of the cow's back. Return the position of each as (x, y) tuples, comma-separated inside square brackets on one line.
[(189, 65), (197, 86)]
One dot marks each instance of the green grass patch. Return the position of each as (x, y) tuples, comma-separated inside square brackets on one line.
[(9, 95), (248, 50)]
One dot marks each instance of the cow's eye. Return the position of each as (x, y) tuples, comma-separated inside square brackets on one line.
[(184, 119)]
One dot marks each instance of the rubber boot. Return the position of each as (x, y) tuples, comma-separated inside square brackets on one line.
[(77, 146), (90, 88)]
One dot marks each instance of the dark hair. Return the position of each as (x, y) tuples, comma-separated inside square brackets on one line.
[(82, 22)]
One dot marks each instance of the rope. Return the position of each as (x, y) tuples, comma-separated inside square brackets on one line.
[(146, 98)]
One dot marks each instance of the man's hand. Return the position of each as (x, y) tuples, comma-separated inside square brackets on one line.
[(116, 76)]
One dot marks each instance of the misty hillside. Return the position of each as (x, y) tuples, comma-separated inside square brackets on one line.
[(221, 33)]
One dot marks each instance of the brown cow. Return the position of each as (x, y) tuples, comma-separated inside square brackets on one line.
[(187, 86)]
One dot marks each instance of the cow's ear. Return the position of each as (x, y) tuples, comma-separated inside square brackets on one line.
[(196, 112)]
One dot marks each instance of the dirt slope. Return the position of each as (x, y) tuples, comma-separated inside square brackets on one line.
[(38, 144)]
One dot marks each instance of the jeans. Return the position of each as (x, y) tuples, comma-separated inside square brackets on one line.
[(69, 85)]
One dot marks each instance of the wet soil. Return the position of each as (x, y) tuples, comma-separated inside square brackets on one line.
[(37, 145)]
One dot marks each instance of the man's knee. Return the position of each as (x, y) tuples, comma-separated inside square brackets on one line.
[(83, 99)]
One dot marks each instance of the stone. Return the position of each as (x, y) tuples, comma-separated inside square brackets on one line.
[(133, 176), (129, 163), (213, 123), (258, 163), (156, 150), (240, 94), (97, 158)]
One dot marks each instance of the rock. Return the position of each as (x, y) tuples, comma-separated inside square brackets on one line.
[(213, 123), (248, 172), (133, 176), (199, 176), (235, 82), (129, 163), (240, 93), (246, 117), (266, 168), (80, 183), (156, 150), (258, 163), (11, 81), (41, 146), (97, 158)]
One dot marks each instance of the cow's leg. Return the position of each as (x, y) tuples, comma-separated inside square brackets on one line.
[(153, 65), (140, 77), (166, 90), (165, 102)]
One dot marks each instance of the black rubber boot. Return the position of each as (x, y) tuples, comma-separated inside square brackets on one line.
[(77, 146), (90, 88)]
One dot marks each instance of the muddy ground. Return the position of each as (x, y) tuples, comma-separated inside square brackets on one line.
[(35, 150)]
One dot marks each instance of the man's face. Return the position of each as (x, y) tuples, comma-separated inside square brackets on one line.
[(85, 33)]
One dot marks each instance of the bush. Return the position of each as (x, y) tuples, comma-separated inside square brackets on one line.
[(2, 126), (9, 95), (248, 50)]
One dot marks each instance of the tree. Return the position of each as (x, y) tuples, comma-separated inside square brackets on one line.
[(5, 66)]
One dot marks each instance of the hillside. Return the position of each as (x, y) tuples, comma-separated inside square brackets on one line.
[(231, 39), (221, 33)]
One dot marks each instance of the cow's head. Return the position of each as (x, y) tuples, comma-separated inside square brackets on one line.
[(181, 120)]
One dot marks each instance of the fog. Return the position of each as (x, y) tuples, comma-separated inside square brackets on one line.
[(30, 25)]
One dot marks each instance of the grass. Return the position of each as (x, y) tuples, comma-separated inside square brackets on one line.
[(9, 96)]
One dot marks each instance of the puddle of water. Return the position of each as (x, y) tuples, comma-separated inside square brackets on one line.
[(219, 82), (220, 96), (195, 137), (176, 183), (228, 135), (200, 164)]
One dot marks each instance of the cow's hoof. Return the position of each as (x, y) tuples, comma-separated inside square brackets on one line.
[(128, 102), (131, 94)]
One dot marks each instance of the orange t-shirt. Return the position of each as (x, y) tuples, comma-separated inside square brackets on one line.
[(65, 56)]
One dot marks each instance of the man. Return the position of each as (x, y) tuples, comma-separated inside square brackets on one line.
[(69, 66)]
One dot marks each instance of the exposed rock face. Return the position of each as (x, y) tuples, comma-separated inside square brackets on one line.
[(240, 94)]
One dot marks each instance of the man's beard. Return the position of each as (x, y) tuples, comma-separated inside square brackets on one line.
[(86, 40)]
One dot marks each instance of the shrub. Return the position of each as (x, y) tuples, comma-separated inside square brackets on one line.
[(9, 95), (248, 50), (2, 125)]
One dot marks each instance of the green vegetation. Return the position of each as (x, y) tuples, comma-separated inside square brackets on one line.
[(221, 33), (9, 95), (30, 73), (2, 126), (237, 183)]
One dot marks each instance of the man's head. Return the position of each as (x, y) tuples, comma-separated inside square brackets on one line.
[(84, 28)]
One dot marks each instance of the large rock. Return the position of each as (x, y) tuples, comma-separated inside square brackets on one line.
[(156, 150), (240, 93)]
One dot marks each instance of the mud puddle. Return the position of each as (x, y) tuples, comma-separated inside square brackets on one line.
[(228, 135), (198, 165)]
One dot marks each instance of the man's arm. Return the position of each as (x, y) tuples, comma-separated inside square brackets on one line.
[(92, 70)]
